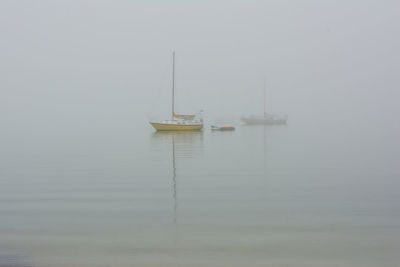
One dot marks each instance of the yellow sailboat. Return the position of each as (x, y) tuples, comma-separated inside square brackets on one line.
[(178, 122)]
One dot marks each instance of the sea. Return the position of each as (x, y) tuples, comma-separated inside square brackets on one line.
[(305, 194)]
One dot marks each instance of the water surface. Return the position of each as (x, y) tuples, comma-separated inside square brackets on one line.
[(304, 194)]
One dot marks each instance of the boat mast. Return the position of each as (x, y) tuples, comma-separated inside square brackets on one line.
[(173, 85), (264, 95)]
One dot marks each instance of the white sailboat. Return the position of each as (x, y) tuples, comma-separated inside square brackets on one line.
[(268, 118)]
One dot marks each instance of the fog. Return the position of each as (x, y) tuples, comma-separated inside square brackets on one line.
[(68, 63), (80, 81)]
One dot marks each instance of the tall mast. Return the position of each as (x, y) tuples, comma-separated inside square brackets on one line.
[(264, 95), (173, 85)]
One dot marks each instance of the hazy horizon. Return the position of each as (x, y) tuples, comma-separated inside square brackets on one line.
[(65, 61)]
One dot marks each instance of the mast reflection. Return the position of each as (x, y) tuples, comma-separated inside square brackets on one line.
[(184, 146), (174, 179)]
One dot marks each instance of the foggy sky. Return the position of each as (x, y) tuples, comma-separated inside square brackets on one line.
[(78, 63)]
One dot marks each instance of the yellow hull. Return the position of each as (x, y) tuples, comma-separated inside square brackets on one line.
[(176, 127)]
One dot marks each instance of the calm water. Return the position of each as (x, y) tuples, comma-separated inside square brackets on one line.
[(304, 194)]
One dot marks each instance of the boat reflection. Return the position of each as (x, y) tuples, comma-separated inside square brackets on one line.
[(184, 145)]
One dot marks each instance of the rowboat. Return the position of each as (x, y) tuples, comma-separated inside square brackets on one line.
[(222, 128)]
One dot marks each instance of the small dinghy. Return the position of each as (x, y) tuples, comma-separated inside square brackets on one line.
[(222, 128)]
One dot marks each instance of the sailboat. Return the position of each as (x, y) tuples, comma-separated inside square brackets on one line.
[(268, 118), (178, 122)]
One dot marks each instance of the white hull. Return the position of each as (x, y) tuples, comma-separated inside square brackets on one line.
[(264, 120)]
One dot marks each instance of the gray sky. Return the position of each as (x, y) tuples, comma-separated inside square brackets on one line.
[(69, 63)]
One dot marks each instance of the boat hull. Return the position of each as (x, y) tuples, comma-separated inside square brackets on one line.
[(176, 127), (264, 121), (223, 128)]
